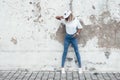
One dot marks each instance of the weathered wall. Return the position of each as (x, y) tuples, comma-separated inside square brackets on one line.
[(31, 37)]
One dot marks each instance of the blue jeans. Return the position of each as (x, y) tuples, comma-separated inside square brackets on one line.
[(69, 39)]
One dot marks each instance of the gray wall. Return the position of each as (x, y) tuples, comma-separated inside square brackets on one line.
[(31, 37)]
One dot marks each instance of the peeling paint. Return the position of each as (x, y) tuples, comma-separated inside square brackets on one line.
[(14, 40), (38, 11), (111, 31), (71, 5), (96, 63), (30, 2), (69, 59), (41, 36), (107, 32), (86, 68), (76, 61), (93, 7), (92, 69), (107, 54)]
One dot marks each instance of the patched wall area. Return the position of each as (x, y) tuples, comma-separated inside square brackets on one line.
[(31, 37)]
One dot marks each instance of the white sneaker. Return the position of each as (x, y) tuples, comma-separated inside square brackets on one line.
[(80, 70), (62, 70)]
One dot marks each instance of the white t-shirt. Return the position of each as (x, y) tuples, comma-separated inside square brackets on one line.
[(72, 26)]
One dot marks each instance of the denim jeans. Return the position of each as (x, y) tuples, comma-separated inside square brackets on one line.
[(69, 39)]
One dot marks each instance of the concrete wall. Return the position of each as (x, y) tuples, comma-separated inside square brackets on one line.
[(31, 37)]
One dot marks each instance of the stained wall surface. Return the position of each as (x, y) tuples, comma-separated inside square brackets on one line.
[(31, 37)]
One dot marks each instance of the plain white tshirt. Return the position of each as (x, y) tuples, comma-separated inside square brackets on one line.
[(72, 26)]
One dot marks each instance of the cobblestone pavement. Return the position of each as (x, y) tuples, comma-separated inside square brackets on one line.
[(56, 75)]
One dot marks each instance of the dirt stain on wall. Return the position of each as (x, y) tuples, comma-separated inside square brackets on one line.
[(107, 54), (105, 29), (14, 40), (109, 31)]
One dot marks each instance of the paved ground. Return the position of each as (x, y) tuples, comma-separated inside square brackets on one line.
[(55, 75)]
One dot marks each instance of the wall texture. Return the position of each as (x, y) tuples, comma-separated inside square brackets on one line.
[(31, 37)]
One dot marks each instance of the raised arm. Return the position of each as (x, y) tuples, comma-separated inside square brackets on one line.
[(59, 17)]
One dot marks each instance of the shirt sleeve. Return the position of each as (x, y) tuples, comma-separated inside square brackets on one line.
[(79, 26)]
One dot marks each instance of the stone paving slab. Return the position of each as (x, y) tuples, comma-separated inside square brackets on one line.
[(56, 75)]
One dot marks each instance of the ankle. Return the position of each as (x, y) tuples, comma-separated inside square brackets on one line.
[(80, 70), (62, 70)]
